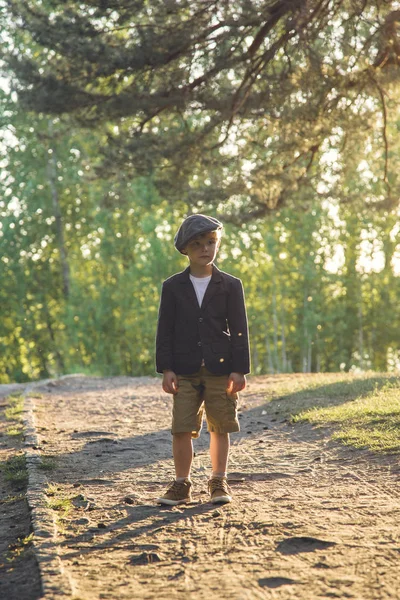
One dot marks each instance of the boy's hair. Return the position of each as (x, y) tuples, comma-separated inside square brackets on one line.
[(193, 226)]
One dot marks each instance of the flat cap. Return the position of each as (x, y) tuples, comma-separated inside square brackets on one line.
[(192, 226)]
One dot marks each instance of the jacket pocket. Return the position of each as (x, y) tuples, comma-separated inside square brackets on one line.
[(221, 347)]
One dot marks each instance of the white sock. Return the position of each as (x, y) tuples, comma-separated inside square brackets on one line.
[(217, 474), (182, 479)]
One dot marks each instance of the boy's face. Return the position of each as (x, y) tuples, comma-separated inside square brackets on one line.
[(202, 249)]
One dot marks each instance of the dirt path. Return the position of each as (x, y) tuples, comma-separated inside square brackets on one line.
[(310, 519)]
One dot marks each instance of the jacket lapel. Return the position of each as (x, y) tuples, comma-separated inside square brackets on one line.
[(213, 287), (187, 288)]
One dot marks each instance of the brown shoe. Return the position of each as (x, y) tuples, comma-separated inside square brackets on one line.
[(177, 493), (219, 490)]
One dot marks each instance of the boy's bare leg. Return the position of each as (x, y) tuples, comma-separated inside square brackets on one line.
[(219, 452), (182, 449)]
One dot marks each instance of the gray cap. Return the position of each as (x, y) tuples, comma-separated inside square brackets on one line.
[(192, 226)]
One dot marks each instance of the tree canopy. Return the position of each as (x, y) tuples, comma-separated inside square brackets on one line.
[(235, 103), (82, 260)]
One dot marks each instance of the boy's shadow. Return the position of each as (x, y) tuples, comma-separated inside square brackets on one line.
[(161, 517), (104, 452)]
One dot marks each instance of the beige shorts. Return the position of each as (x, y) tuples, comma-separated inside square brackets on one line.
[(201, 392)]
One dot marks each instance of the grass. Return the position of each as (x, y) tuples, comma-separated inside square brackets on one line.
[(15, 470), (47, 463), (367, 419), (15, 431), (362, 410), (58, 502), (19, 548), (290, 397), (51, 490), (62, 505), (15, 408), (12, 498), (13, 413)]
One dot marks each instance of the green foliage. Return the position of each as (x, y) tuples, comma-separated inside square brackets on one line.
[(311, 307), (216, 101), (297, 170)]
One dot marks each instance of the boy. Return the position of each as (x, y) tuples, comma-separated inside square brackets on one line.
[(202, 350)]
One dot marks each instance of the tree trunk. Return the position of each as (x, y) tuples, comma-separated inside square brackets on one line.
[(275, 323), (59, 358), (255, 359), (360, 336), (52, 174), (270, 363), (283, 338)]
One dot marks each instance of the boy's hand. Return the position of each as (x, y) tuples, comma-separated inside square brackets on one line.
[(236, 383), (170, 382)]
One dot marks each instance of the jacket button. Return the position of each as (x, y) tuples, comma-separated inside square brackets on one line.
[(201, 319), (199, 343)]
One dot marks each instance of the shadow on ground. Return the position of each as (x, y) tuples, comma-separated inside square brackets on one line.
[(104, 451)]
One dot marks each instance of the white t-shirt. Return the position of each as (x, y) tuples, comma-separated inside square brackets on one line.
[(200, 285)]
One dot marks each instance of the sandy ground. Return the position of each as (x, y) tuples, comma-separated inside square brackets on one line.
[(310, 518)]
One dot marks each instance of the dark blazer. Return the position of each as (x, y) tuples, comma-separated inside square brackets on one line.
[(216, 332)]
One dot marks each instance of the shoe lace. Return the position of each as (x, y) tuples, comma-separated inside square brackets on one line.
[(218, 483), (175, 486)]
